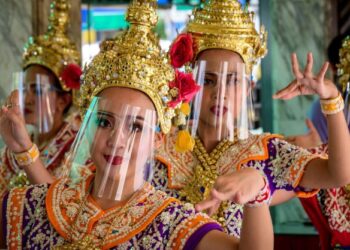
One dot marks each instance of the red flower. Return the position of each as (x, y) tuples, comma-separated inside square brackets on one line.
[(181, 51), (187, 88), (71, 76)]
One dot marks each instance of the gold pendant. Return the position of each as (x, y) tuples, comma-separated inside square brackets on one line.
[(198, 187)]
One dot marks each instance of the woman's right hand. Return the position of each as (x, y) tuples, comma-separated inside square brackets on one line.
[(12, 125), (240, 187), (306, 83)]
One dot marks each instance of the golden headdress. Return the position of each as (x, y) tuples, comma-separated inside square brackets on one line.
[(222, 24), (344, 65), (53, 50), (133, 60)]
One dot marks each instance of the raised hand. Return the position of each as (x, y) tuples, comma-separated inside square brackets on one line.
[(12, 125), (240, 187), (306, 83)]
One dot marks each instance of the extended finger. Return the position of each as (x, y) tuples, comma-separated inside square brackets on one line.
[(290, 88), (8, 101), (323, 71), (212, 210), (309, 65), (290, 95), (15, 97), (295, 66), (206, 204)]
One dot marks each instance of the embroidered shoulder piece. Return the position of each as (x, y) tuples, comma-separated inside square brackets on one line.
[(181, 166), (285, 166), (320, 150), (26, 224), (74, 213)]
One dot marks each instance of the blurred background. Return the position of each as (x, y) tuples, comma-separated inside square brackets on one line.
[(293, 26)]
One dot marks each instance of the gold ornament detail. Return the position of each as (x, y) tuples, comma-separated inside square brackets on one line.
[(344, 65), (85, 244), (199, 186), (134, 60), (224, 25), (53, 50), (20, 179)]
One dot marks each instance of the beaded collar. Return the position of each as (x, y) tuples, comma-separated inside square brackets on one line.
[(194, 173), (205, 174), (181, 166), (75, 215)]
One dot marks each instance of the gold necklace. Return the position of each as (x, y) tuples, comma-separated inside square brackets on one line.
[(205, 173)]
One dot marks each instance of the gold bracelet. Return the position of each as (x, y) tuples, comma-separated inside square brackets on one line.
[(332, 106), (28, 157)]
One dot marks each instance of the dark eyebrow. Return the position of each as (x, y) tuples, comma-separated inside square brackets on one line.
[(33, 83), (100, 112), (109, 114), (211, 74), (215, 74)]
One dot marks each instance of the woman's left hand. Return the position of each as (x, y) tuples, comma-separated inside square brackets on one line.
[(306, 83), (12, 125), (240, 187)]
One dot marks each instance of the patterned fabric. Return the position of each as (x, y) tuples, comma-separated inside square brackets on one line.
[(43, 217), (332, 206), (282, 163), (51, 156)]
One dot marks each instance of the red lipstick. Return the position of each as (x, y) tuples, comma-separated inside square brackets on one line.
[(217, 110), (113, 160)]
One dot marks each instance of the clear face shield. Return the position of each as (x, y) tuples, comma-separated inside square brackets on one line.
[(119, 142), (37, 100), (223, 109)]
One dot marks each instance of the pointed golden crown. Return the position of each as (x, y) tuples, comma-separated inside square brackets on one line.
[(222, 24), (53, 50), (133, 60), (344, 65)]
